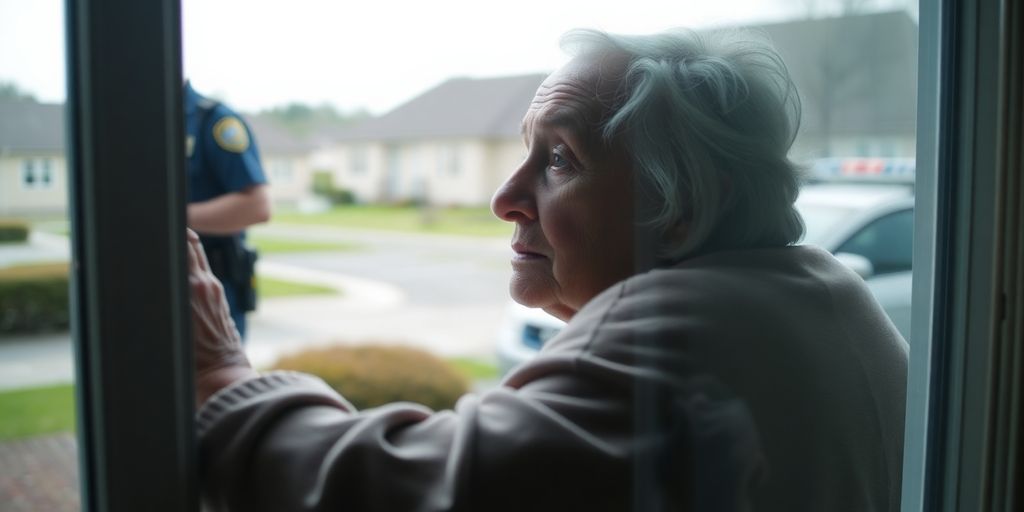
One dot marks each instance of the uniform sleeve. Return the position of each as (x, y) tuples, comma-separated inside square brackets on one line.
[(231, 151)]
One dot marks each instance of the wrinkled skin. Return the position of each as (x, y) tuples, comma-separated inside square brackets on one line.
[(219, 357), (571, 199)]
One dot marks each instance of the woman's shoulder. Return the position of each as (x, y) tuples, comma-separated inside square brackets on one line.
[(737, 272)]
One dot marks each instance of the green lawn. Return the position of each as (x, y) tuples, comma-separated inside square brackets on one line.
[(36, 411), (452, 221), (269, 287), (272, 245), (28, 412), (475, 369)]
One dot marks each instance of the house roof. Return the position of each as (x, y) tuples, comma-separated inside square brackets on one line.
[(26, 125), (855, 74), (29, 126), (272, 139), (478, 107)]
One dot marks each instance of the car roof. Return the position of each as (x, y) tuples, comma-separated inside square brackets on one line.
[(853, 196)]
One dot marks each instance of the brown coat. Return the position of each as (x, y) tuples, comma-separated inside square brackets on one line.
[(750, 380)]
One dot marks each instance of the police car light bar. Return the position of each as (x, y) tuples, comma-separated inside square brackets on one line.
[(887, 170)]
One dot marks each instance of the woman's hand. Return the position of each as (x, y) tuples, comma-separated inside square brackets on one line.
[(219, 357)]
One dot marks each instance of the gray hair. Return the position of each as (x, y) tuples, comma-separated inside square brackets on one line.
[(708, 120)]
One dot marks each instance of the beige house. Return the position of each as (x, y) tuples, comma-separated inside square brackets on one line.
[(452, 145), (286, 162), (455, 143), (33, 166), (33, 170)]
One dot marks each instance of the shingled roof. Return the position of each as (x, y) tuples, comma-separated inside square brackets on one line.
[(29, 126), (476, 107), (273, 139), (862, 68)]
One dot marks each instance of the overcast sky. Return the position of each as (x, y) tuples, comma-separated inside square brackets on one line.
[(373, 54)]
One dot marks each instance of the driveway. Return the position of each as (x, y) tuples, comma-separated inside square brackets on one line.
[(445, 294)]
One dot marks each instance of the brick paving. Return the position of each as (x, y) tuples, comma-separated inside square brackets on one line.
[(39, 474)]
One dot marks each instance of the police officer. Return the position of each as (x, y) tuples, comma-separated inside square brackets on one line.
[(227, 192)]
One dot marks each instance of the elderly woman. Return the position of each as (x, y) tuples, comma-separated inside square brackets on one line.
[(708, 363)]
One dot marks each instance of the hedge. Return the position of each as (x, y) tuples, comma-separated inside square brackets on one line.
[(373, 375), (13, 231), (33, 298)]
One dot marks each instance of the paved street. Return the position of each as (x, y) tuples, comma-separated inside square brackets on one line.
[(445, 294)]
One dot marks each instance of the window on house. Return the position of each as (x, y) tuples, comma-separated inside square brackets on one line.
[(28, 174), (37, 173), (282, 171), (449, 160), (46, 173), (359, 160)]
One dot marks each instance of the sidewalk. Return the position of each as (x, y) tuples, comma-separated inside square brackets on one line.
[(365, 312)]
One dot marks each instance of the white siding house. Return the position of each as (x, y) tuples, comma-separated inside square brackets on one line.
[(33, 170), (33, 166), (455, 143), (452, 145)]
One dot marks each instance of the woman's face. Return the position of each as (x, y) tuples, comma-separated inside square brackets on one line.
[(571, 199)]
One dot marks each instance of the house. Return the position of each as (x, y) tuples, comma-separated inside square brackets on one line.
[(33, 168), (455, 143), (452, 145), (34, 173), (286, 162)]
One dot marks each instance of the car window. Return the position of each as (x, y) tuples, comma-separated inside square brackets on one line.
[(887, 242)]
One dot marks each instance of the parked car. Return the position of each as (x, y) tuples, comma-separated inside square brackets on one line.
[(859, 209)]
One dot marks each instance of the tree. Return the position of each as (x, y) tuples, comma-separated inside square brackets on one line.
[(302, 119), (11, 91)]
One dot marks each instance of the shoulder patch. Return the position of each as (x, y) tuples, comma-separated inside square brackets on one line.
[(231, 135)]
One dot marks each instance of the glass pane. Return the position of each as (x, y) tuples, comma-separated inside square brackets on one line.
[(400, 128), (887, 243), (38, 454)]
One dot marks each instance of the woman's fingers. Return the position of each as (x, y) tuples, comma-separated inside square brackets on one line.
[(197, 256)]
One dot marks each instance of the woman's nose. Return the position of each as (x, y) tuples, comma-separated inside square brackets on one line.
[(515, 201)]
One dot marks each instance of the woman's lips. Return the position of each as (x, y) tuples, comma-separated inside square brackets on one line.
[(527, 256), (523, 253)]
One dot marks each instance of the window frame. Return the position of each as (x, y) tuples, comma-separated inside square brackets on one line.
[(134, 399), (133, 360), (951, 451)]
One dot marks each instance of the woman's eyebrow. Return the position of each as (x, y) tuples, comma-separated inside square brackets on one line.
[(563, 116)]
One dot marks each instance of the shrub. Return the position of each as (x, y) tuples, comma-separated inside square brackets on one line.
[(323, 186), (373, 375), (13, 231), (34, 298)]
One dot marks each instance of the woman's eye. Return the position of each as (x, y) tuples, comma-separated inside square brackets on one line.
[(558, 160)]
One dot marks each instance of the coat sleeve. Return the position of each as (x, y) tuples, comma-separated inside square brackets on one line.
[(286, 441), (567, 431)]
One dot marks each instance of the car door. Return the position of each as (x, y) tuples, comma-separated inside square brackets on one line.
[(887, 242)]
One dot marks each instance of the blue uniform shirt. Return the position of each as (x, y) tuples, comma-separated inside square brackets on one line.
[(222, 158)]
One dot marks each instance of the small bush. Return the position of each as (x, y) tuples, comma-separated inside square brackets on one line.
[(369, 376), (13, 231), (323, 186), (34, 298)]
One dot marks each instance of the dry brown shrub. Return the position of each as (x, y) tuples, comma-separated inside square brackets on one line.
[(373, 375)]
